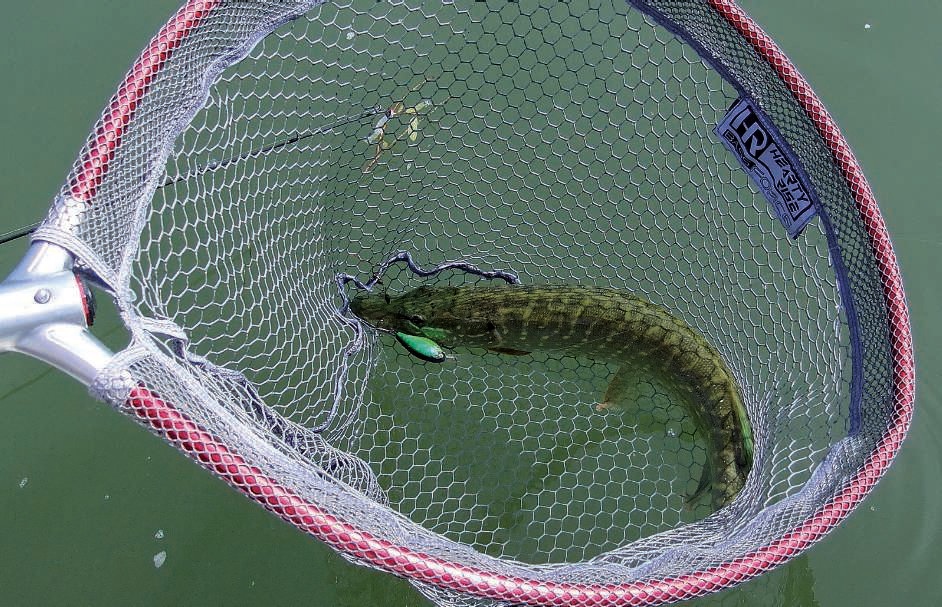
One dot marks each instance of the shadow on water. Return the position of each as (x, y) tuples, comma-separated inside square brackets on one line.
[(509, 455)]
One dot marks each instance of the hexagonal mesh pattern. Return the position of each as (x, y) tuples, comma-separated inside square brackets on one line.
[(276, 147)]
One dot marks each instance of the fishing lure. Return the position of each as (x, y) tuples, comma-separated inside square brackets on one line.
[(379, 136)]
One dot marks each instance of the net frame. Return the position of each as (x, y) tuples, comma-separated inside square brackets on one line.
[(352, 541)]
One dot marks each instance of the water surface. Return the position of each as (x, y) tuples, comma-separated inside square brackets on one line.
[(88, 500)]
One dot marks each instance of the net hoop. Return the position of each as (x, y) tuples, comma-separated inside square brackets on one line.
[(346, 537)]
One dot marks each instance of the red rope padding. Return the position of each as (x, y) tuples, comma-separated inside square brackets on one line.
[(101, 149), (214, 455)]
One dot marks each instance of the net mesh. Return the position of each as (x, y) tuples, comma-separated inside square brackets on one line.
[(286, 143)]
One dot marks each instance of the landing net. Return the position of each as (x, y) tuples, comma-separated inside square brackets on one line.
[(258, 152)]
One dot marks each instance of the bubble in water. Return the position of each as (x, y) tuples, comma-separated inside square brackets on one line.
[(350, 35), (24, 482), (159, 535), (672, 430), (159, 559), (866, 26)]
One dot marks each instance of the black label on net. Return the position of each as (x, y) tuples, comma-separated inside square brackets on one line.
[(745, 132)]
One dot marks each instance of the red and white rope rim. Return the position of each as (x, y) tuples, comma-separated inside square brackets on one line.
[(346, 537)]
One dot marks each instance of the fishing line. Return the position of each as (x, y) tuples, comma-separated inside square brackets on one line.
[(221, 164)]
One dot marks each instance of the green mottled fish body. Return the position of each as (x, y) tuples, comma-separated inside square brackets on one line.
[(599, 323)]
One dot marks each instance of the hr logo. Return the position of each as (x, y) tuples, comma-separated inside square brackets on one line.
[(762, 153), (751, 133)]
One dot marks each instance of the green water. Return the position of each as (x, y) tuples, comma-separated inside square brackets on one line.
[(84, 492)]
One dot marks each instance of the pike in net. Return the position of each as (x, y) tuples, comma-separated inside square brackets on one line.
[(265, 164)]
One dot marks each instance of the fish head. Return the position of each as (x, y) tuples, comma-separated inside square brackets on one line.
[(422, 311)]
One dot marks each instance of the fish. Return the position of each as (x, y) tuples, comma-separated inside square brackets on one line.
[(599, 323)]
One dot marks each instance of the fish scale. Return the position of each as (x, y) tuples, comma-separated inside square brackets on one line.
[(599, 323)]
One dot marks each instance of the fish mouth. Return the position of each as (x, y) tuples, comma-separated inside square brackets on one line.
[(358, 303), (374, 310), (365, 307)]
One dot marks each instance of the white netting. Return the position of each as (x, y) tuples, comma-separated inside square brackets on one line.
[(566, 143)]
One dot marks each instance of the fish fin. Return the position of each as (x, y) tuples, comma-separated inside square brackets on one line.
[(706, 480), (607, 405), (620, 382), (509, 351)]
